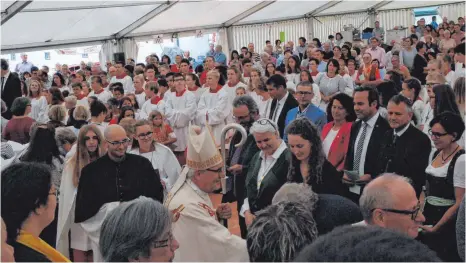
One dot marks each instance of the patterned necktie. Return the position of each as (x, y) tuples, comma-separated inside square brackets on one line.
[(362, 138)]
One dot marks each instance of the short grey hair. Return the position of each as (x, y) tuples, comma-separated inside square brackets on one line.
[(280, 231), (64, 135), (129, 231), (299, 193), (247, 101), (305, 83), (379, 194), (264, 125)]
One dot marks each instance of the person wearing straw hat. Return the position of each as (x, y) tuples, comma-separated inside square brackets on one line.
[(195, 222)]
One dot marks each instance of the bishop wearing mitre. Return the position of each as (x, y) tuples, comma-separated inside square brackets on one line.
[(196, 223)]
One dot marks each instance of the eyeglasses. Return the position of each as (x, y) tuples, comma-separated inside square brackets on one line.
[(145, 135), (118, 143), (414, 213), (267, 121), (304, 93), (437, 135), (240, 118), (165, 242)]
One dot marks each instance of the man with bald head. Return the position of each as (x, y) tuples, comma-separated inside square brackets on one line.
[(389, 201), (114, 178)]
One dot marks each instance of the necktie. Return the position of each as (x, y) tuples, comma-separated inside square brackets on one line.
[(362, 138), (3, 81), (275, 113)]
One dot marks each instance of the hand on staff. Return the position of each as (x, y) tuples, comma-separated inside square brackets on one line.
[(235, 168), (248, 217), (224, 211)]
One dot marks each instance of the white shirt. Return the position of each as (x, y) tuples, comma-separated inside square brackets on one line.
[(127, 83), (266, 164), (5, 79), (399, 133), (370, 127), (279, 108), (329, 140), (104, 96)]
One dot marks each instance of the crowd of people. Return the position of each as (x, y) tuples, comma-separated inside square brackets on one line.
[(345, 151)]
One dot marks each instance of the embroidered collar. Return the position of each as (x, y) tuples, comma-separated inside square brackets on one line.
[(155, 100), (98, 92), (180, 94), (216, 90), (193, 89)]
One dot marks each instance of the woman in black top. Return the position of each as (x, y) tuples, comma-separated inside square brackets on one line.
[(420, 62), (308, 162)]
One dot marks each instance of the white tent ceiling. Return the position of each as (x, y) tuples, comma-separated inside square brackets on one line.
[(40, 23)]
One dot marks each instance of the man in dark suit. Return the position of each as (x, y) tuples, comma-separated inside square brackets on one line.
[(282, 101), (245, 112), (405, 149), (268, 169), (365, 140), (11, 87)]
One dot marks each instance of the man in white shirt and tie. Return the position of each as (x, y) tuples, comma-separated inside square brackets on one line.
[(365, 141), (282, 101)]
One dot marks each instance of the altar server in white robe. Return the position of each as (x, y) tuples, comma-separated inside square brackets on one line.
[(89, 147), (180, 110), (155, 102), (214, 106), (161, 157), (234, 82), (99, 91), (195, 221)]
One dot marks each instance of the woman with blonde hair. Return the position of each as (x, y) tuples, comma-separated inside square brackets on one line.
[(81, 116), (57, 115), (139, 93), (90, 147), (38, 102)]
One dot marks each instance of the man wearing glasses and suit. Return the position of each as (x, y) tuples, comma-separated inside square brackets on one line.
[(114, 178)]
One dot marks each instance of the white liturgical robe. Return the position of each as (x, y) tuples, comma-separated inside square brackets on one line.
[(201, 237), (179, 111), (214, 107)]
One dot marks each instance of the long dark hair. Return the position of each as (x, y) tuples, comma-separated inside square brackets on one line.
[(386, 89), (303, 127), (445, 100), (123, 110), (347, 103), (234, 52), (297, 65), (319, 45), (62, 80), (43, 147)]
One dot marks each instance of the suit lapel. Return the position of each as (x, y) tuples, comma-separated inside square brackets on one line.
[(270, 176)]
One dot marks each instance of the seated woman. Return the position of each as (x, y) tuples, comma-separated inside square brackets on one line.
[(446, 184), (139, 230), (163, 132), (89, 148), (335, 134), (28, 206), (17, 129), (308, 162), (161, 157), (126, 112)]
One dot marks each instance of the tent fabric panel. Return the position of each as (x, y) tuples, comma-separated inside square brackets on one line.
[(68, 24), (349, 6), (392, 18), (6, 4), (258, 34), (77, 4), (283, 9), (452, 11), (329, 25), (401, 4), (208, 13), (90, 25), (26, 28)]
